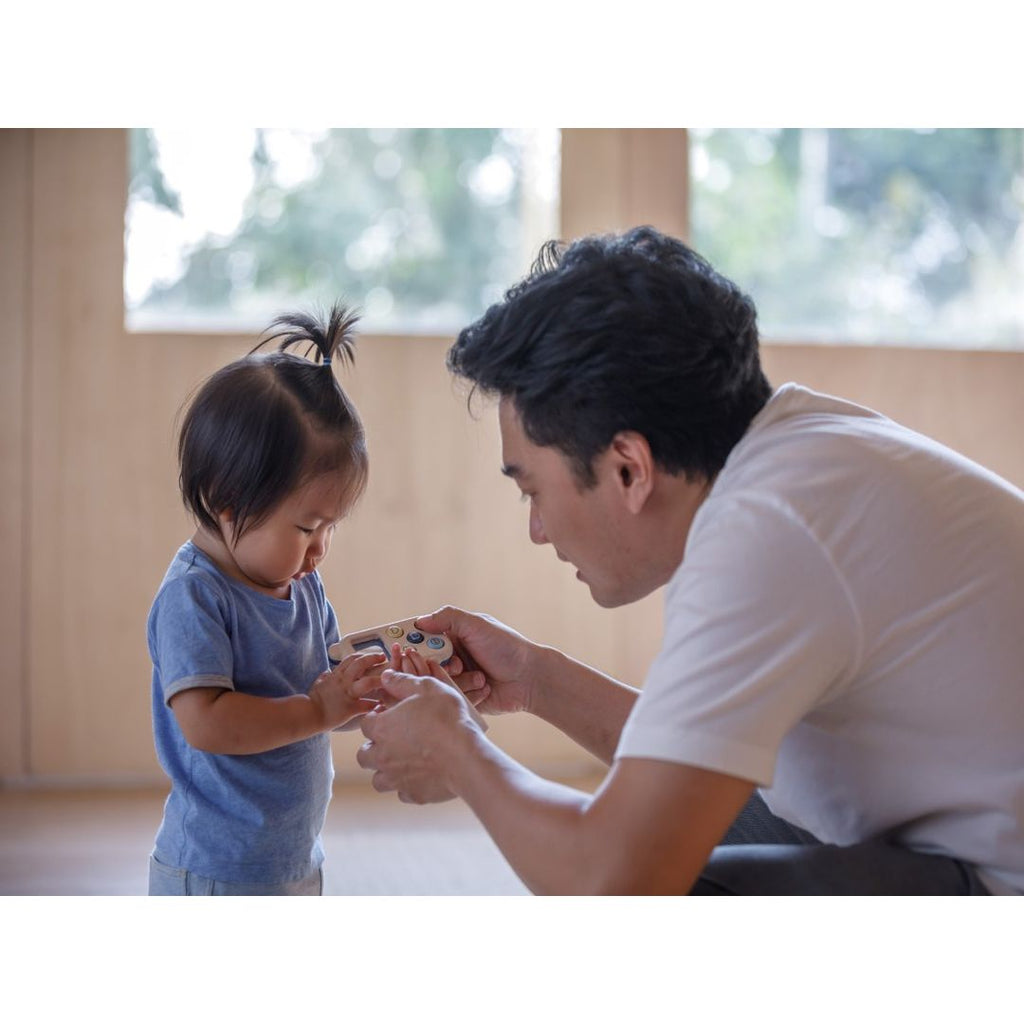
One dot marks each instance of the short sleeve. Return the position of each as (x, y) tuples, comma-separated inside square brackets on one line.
[(759, 628), (189, 637)]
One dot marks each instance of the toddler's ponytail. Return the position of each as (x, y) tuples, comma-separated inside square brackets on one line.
[(331, 338)]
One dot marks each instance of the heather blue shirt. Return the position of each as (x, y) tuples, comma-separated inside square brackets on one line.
[(250, 817)]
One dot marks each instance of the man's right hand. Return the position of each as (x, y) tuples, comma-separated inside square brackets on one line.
[(495, 660)]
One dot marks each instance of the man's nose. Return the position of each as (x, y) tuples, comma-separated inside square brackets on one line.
[(537, 534)]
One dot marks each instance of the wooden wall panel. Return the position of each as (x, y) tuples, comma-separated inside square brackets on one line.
[(971, 401), (84, 527), (614, 179), (15, 179)]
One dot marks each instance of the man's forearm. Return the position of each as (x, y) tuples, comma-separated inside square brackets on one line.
[(588, 706), (539, 826), (542, 827), (648, 830)]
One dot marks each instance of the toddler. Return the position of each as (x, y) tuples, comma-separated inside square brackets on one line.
[(272, 456)]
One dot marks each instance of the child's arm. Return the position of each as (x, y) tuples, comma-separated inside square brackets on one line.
[(227, 722)]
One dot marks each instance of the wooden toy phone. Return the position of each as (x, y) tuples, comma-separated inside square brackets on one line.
[(435, 646)]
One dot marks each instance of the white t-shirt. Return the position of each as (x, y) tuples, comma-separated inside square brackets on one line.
[(846, 630)]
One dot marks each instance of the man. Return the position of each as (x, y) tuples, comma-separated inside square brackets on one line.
[(843, 612)]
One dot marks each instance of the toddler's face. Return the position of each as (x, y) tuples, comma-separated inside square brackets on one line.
[(292, 541)]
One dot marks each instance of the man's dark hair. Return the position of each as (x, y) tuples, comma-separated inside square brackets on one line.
[(622, 332), (262, 426)]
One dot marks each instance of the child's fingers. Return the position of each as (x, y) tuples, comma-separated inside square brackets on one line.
[(360, 657), (355, 666), (413, 663), (438, 672), (363, 686)]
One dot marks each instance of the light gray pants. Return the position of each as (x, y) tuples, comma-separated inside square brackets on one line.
[(762, 855), (167, 881)]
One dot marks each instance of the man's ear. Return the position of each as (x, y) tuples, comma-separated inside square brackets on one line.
[(633, 464)]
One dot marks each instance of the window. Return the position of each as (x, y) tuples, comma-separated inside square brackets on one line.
[(420, 228), (872, 236), (869, 236)]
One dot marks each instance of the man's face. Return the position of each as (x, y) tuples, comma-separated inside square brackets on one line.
[(587, 528)]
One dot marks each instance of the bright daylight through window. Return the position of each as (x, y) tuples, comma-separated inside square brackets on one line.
[(884, 236), (421, 228)]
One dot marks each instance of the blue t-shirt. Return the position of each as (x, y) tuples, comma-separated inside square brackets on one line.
[(249, 817)]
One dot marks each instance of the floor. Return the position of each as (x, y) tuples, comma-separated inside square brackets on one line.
[(97, 844)]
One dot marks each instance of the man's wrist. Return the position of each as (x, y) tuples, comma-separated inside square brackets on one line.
[(463, 756), (541, 668)]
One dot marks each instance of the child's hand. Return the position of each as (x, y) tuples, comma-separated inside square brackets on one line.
[(409, 660), (342, 693), (413, 663), (405, 659)]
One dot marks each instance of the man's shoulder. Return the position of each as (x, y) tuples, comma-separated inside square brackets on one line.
[(798, 415), (803, 438), (794, 402)]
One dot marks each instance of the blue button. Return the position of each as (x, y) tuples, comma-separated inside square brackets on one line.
[(415, 638), (436, 642)]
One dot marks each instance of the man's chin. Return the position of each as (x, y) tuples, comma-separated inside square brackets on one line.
[(602, 598), (616, 599)]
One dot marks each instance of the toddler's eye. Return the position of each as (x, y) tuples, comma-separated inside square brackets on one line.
[(306, 529)]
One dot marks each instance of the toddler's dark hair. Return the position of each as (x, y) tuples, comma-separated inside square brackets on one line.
[(264, 425)]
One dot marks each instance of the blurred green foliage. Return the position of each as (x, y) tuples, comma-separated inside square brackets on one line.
[(900, 236), (396, 216), (866, 235)]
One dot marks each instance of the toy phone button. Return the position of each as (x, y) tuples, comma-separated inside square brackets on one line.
[(396, 631), (436, 642), (415, 638)]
